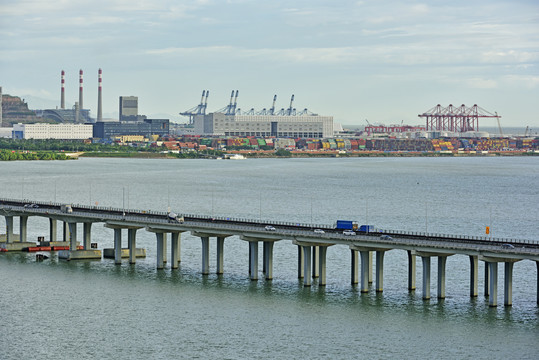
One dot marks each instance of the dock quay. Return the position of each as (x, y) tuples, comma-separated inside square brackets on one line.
[(366, 248)]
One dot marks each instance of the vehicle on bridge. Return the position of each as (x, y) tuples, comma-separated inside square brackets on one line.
[(269, 228), (66, 209), (319, 231), (348, 232), (346, 225), (174, 218)]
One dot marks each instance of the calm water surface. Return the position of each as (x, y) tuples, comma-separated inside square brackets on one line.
[(95, 309)]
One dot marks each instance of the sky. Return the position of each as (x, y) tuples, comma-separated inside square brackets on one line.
[(383, 62)]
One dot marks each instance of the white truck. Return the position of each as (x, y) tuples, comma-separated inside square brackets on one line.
[(173, 218), (66, 209)]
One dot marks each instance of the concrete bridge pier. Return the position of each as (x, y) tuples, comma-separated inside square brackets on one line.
[(220, 255), (508, 284), (175, 245), (354, 266), (307, 265), (268, 259), (474, 274), (364, 270), (160, 245), (411, 270), (379, 270), (72, 236), (322, 265), (65, 232), (426, 277), (300, 262), (370, 266), (493, 284), (23, 220), (253, 260), (53, 230), (205, 255), (315, 269), (9, 229), (131, 245), (87, 235), (442, 260), (118, 246), (487, 280)]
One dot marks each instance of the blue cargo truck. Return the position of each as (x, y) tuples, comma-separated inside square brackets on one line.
[(346, 225), (366, 228)]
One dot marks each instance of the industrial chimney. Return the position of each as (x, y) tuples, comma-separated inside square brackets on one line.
[(80, 90), (99, 108), (62, 94)]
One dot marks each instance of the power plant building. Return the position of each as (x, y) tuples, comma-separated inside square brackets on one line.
[(296, 126)]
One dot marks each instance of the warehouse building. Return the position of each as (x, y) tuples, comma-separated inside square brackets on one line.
[(52, 131)]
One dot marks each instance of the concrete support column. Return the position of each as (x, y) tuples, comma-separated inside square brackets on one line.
[(370, 267), (253, 252), (174, 246), (165, 237), (411, 270), (23, 220), (426, 277), (306, 265), (364, 270), (508, 284), (86, 236), (316, 251), (354, 266), (322, 264), (205, 255), (380, 271), (9, 229), (117, 246), (487, 279), (268, 255), (65, 232), (72, 236), (300, 264), (474, 275), (264, 255), (442, 260), (493, 284), (132, 245), (53, 230), (537, 265), (160, 243), (220, 254)]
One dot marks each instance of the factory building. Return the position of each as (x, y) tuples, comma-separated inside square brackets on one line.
[(147, 127), (52, 131), (299, 126), (231, 121)]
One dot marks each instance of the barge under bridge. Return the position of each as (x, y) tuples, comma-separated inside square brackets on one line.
[(311, 246)]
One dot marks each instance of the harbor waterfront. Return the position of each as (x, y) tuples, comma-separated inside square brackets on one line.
[(100, 309)]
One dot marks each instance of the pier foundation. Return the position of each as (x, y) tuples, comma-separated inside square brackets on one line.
[(474, 274), (354, 267)]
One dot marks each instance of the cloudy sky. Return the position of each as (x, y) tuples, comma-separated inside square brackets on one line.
[(385, 61)]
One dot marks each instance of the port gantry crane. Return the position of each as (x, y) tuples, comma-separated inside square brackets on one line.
[(457, 119), (200, 109)]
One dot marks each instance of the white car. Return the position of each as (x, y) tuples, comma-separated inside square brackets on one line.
[(348, 232), (319, 231), (269, 228)]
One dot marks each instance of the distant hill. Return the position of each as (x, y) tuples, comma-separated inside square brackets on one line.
[(15, 110)]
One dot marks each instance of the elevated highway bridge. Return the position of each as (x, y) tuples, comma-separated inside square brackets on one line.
[(312, 246)]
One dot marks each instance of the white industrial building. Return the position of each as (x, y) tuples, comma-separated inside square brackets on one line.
[(296, 126), (53, 131)]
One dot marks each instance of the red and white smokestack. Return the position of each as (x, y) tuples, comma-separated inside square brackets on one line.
[(80, 90), (99, 109), (62, 94)]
